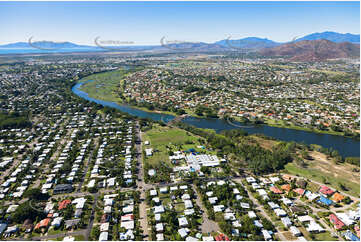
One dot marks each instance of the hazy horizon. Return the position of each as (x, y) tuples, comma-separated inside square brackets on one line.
[(145, 23)]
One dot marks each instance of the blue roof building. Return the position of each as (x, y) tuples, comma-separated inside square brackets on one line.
[(324, 200), (351, 236)]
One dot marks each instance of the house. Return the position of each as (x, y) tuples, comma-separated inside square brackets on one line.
[(338, 224), (299, 191), (345, 219), (57, 222), (63, 204), (326, 190), (149, 152), (128, 209), (103, 236), (274, 179), (182, 221), (273, 205), (252, 214), (286, 187), (286, 222), (72, 223), (222, 237), (159, 209), (42, 224), (218, 208), (153, 192), (280, 212), (295, 231), (129, 235), (127, 217), (324, 201), (163, 190), (3, 227), (250, 179), (287, 178), (229, 216), (311, 196), (188, 204), (275, 190), (266, 235), (183, 232), (127, 224), (337, 197), (104, 227), (63, 188), (212, 200), (350, 236), (207, 238), (159, 227), (314, 227), (160, 237), (188, 212), (287, 201)]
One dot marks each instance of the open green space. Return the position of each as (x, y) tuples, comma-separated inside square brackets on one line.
[(165, 139), (105, 86), (319, 176)]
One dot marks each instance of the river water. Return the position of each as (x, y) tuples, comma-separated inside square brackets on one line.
[(345, 146)]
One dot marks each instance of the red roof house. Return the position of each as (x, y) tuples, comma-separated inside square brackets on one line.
[(336, 222), (63, 204), (299, 191), (222, 237), (326, 190), (43, 224), (276, 190)]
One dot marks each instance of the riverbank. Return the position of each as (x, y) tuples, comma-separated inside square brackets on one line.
[(269, 122), (107, 86), (281, 124)]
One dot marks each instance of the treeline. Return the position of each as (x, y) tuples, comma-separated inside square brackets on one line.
[(14, 120), (258, 159)]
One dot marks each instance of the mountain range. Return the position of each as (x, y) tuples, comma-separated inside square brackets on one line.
[(312, 47), (313, 50)]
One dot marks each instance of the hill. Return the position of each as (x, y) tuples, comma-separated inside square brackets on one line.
[(248, 43), (332, 36), (313, 50), (45, 45)]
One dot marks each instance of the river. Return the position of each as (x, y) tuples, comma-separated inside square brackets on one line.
[(345, 146)]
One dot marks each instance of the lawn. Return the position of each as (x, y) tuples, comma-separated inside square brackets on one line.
[(318, 175), (105, 86), (161, 137), (326, 236)]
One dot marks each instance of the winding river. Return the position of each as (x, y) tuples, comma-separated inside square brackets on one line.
[(345, 146)]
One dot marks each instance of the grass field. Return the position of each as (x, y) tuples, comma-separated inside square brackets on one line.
[(105, 86), (319, 176), (160, 137)]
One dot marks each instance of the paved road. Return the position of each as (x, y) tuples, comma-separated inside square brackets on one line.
[(263, 212), (208, 225), (141, 187), (96, 142), (92, 216)]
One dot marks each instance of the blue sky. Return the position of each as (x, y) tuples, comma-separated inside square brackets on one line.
[(148, 22)]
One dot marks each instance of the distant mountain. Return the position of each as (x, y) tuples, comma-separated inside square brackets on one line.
[(199, 46), (248, 43), (313, 50), (332, 36), (45, 45)]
